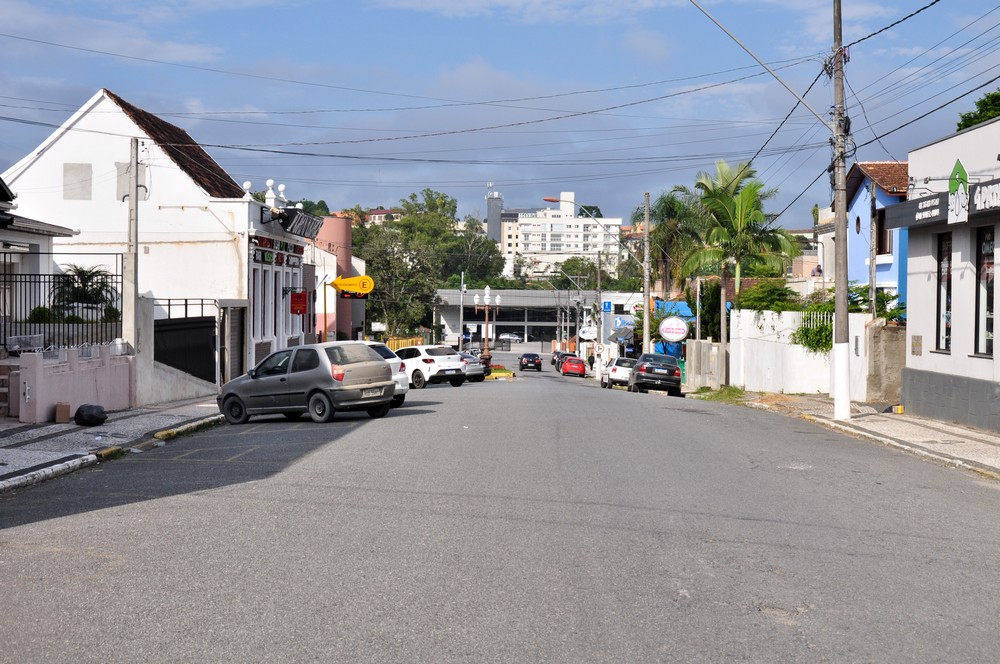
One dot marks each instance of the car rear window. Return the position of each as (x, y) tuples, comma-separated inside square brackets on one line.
[(659, 359), (626, 362), (383, 351), (351, 353), (439, 351)]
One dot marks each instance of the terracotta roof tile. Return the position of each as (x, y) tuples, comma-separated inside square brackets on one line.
[(183, 151)]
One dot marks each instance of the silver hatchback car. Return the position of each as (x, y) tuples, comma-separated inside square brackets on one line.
[(318, 379)]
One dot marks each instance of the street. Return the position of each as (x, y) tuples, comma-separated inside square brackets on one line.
[(538, 520)]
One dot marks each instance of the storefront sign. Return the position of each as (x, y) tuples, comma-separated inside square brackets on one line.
[(299, 302), (985, 196), (918, 212), (673, 328), (958, 194)]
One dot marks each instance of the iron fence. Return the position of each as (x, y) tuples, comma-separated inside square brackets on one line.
[(50, 301)]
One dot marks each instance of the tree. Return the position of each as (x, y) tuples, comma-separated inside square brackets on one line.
[(675, 230), (91, 286), (404, 272), (710, 309), (576, 273), (987, 107), (470, 251)]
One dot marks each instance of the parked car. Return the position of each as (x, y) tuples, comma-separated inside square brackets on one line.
[(573, 365), (432, 364), (653, 371), (560, 357), (475, 372), (318, 379), (398, 371), (618, 372), (511, 336), (529, 361)]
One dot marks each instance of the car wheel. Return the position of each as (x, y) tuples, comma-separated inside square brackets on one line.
[(674, 392), (417, 381), (398, 400), (235, 411), (376, 412), (457, 382), (292, 415), (320, 408)]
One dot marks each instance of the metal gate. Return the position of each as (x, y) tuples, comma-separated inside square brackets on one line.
[(187, 344)]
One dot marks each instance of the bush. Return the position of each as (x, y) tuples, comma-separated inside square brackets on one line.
[(111, 315), (43, 315)]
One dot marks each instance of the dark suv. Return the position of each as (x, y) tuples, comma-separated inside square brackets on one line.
[(529, 361), (654, 371)]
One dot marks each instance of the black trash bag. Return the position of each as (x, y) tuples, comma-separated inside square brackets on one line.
[(89, 415)]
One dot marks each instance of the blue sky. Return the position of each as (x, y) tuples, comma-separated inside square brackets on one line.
[(363, 103)]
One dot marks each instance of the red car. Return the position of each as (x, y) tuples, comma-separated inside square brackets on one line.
[(575, 366)]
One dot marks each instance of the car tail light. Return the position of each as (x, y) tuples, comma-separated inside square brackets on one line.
[(402, 367), (677, 371), (427, 360), (338, 372)]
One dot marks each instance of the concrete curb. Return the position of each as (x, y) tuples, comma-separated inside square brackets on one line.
[(48, 473), (105, 454), (204, 423)]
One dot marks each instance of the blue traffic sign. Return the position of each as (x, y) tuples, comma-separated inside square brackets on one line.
[(607, 305)]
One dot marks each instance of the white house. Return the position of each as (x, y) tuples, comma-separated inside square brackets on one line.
[(201, 236), (951, 216)]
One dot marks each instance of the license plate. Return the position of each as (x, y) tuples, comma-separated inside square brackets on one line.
[(372, 392), (450, 371), (661, 371)]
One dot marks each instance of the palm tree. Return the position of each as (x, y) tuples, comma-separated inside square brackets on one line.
[(739, 234), (83, 285), (675, 230)]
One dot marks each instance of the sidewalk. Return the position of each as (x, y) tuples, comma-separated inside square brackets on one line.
[(944, 442), (30, 453)]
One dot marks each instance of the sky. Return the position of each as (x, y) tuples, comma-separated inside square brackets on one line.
[(366, 103)]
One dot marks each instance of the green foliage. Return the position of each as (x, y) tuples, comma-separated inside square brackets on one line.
[(43, 315), (710, 308), (111, 315), (815, 336), (769, 296), (82, 285), (987, 108)]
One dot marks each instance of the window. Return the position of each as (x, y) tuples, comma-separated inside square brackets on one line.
[(883, 235), (305, 359), (944, 291), (984, 290), (275, 365)]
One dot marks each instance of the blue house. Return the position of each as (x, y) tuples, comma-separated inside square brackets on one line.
[(888, 180)]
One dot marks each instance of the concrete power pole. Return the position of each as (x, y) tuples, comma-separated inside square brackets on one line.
[(647, 313), (872, 252), (130, 278), (841, 331)]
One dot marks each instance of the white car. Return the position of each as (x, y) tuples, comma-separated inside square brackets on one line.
[(432, 364), (617, 372), (398, 371)]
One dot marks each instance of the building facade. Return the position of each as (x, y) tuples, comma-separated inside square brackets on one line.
[(951, 370), (198, 235), (539, 238)]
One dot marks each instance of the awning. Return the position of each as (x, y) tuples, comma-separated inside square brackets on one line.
[(622, 335)]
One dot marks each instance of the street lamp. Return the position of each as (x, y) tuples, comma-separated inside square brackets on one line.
[(644, 262), (486, 307)]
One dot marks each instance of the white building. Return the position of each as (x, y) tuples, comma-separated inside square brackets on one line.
[(952, 213), (201, 236), (542, 237)]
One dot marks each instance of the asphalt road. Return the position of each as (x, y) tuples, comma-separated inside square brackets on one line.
[(541, 520)]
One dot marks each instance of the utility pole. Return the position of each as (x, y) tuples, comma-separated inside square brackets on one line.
[(872, 252), (461, 315), (645, 280), (130, 281), (841, 331)]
